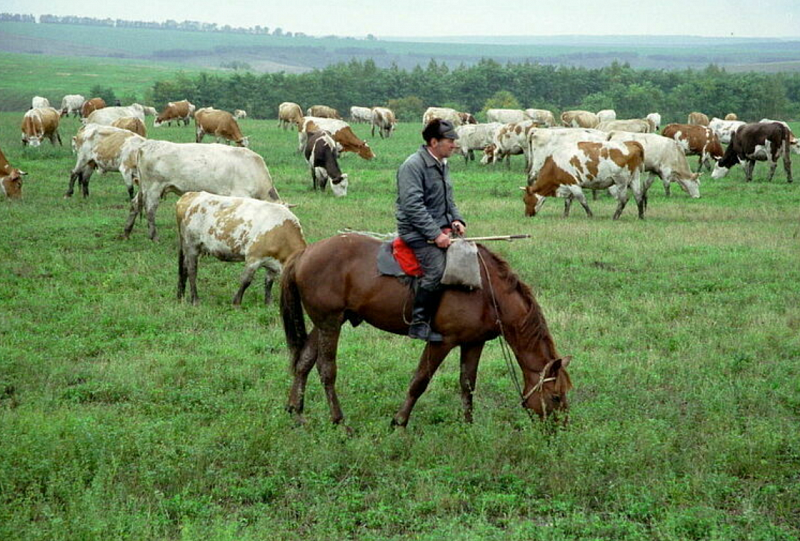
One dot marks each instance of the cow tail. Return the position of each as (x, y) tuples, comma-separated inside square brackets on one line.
[(294, 325)]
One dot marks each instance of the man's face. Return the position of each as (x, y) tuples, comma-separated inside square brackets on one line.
[(442, 148)]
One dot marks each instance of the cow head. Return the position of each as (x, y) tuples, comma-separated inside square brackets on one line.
[(365, 152), (488, 154), (690, 185), (339, 186), (243, 142), (533, 201), (719, 172), (11, 185), (794, 145)]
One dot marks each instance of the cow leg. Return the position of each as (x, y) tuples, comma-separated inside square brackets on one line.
[(136, 208), (198, 135), (190, 258), (59, 139), (622, 200), (82, 175), (567, 205), (748, 167), (773, 165), (150, 208), (182, 275), (581, 197), (471, 155), (470, 356), (306, 360), (787, 161), (432, 357)]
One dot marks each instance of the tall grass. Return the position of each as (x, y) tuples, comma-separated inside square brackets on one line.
[(127, 415)]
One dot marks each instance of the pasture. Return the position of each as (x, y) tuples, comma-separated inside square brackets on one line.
[(128, 415)]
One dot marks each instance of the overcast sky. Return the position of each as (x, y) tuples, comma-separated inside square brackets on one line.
[(739, 18)]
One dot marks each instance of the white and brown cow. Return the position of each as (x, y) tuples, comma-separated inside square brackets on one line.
[(697, 119), (105, 148), (72, 103), (261, 234), (725, 128), (474, 137), (164, 167), (239, 113), (323, 111), (589, 165), (220, 124), (466, 118), (341, 132), (39, 101), (92, 105), (696, 140), (290, 113), (131, 123), (579, 119), (442, 113), (664, 158), (10, 179), (383, 118), (361, 115), (759, 141), (39, 123), (176, 111), (322, 155), (509, 140), (107, 115), (542, 142), (542, 117)]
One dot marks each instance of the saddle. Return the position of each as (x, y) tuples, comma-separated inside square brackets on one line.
[(396, 258)]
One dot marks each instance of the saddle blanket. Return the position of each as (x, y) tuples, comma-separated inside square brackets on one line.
[(396, 258)]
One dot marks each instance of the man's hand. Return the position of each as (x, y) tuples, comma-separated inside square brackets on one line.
[(442, 241), (459, 228)]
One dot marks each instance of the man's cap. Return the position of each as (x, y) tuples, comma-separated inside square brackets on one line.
[(439, 129)]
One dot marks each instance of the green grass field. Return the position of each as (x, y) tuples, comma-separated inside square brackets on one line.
[(127, 415)]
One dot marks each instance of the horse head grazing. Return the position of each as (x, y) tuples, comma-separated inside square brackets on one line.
[(335, 281)]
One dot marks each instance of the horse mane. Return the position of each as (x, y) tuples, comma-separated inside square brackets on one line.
[(534, 324)]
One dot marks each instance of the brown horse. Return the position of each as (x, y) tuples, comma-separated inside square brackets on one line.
[(336, 280)]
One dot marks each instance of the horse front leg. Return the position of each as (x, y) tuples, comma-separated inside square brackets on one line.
[(432, 356), (470, 356)]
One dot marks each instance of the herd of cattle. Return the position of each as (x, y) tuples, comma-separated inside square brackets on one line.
[(229, 206)]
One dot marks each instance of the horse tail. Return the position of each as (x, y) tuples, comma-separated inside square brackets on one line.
[(294, 325)]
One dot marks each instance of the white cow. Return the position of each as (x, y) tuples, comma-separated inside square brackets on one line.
[(505, 116), (606, 115), (383, 118), (239, 113), (260, 233), (165, 167), (72, 103), (39, 101), (149, 111), (542, 117), (107, 115), (663, 157), (725, 128), (444, 113), (655, 122), (636, 125), (473, 137), (107, 149), (361, 114)]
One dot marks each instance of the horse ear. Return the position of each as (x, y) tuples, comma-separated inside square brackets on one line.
[(523, 188), (565, 361)]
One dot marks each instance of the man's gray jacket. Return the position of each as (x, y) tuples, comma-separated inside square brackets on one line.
[(424, 198)]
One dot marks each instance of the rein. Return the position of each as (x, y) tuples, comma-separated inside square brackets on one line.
[(504, 348)]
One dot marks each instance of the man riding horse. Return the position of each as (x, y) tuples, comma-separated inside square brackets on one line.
[(426, 214)]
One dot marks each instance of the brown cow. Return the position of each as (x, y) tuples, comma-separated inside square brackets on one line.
[(40, 123), (323, 111), (89, 106), (179, 111), (220, 124), (466, 118), (698, 119), (695, 140), (290, 113), (10, 179), (131, 123), (341, 132)]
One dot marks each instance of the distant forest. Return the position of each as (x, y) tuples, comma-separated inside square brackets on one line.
[(631, 92)]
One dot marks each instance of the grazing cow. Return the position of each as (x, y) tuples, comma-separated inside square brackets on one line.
[(72, 103), (39, 101), (39, 123), (178, 111), (663, 157), (606, 115), (323, 111), (322, 156), (239, 113), (589, 165), (105, 148), (220, 124), (149, 111), (635, 125), (10, 179), (107, 115), (655, 122), (579, 119), (383, 119), (362, 115), (165, 167), (695, 140), (467, 118), (731, 116), (475, 137), (443, 113), (289, 113), (542, 142), (131, 123), (505, 116), (542, 117), (342, 133), (509, 139), (260, 233), (92, 105), (725, 128), (757, 142), (697, 119)]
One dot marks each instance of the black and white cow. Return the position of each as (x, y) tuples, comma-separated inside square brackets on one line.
[(758, 141), (322, 156)]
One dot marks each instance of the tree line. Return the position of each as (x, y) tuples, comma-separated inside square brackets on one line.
[(631, 92)]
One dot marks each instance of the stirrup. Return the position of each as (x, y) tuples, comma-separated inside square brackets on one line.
[(423, 331)]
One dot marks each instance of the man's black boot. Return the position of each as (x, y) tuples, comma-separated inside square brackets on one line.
[(425, 304)]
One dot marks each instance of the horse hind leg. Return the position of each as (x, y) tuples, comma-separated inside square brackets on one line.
[(306, 359), (432, 357), (326, 366)]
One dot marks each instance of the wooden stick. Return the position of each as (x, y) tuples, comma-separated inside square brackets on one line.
[(481, 239)]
